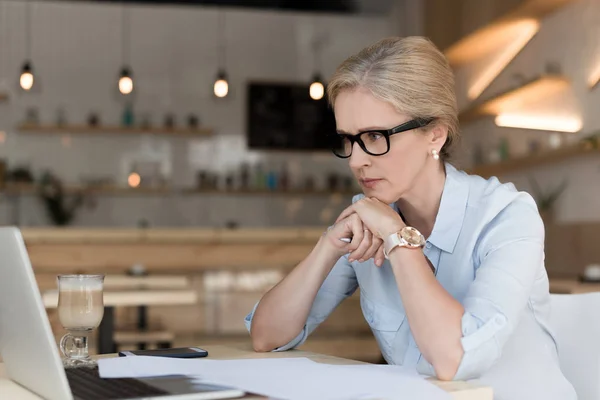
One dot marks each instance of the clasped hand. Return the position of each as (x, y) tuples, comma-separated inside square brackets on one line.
[(368, 222)]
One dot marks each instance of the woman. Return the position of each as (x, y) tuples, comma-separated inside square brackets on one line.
[(450, 266)]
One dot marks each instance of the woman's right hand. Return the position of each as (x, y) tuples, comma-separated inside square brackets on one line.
[(363, 246)]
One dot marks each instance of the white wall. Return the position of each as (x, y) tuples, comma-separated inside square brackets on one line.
[(76, 55), (570, 37)]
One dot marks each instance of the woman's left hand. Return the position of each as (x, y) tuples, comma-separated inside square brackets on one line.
[(377, 216)]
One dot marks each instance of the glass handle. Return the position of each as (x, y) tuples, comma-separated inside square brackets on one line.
[(66, 342)]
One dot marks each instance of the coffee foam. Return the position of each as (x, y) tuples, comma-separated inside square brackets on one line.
[(78, 283)]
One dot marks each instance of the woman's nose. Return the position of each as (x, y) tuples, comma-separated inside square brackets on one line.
[(358, 158)]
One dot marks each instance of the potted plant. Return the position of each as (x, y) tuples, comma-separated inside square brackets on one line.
[(546, 199)]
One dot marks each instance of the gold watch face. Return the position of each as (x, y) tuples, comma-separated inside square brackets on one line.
[(412, 236)]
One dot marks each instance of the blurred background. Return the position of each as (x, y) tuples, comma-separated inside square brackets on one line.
[(178, 146)]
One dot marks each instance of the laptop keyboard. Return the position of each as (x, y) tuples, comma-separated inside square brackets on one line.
[(86, 384)]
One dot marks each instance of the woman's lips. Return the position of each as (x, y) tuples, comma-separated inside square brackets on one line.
[(370, 183)]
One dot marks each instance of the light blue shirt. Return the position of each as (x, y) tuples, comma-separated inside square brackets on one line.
[(487, 249)]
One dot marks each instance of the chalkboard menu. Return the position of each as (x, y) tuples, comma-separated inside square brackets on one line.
[(282, 116)]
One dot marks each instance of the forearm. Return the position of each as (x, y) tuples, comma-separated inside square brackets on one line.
[(283, 310), (433, 314)]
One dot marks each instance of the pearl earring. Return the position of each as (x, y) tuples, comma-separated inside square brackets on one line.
[(435, 154)]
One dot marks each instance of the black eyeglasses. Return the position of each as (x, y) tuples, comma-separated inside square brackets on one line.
[(375, 142)]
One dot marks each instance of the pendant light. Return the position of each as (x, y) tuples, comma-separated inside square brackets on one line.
[(126, 75), (317, 89), (221, 85), (26, 80)]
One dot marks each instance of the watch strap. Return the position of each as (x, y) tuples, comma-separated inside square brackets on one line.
[(396, 240), (391, 242)]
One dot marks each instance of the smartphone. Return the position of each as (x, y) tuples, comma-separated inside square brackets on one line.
[(180, 352)]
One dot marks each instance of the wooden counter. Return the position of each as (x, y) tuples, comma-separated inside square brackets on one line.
[(173, 250), (171, 235)]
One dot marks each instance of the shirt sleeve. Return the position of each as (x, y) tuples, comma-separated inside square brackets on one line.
[(511, 255), (339, 284)]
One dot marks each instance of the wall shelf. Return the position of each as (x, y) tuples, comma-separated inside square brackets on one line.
[(534, 160), (16, 189), (488, 38), (83, 129), (534, 90), (263, 192)]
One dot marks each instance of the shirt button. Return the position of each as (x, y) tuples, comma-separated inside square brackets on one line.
[(428, 245)]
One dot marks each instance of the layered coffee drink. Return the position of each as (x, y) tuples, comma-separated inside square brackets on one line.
[(80, 310)]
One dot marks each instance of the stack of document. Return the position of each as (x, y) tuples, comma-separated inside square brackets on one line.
[(284, 378)]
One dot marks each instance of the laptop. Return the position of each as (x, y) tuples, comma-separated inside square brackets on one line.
[(31, 357)]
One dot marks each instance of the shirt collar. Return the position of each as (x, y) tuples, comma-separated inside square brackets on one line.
[(451, 214)]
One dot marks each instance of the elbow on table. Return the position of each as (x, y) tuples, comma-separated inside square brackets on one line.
[(446, 367), (260, 344), (445, 372)]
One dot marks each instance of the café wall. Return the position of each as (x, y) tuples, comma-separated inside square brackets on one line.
[(76, 54), (568, 43)]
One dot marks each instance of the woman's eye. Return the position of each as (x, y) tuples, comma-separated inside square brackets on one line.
[(374, 136)]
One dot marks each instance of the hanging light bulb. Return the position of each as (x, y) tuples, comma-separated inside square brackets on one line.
[(126, 76), (125, 81), (221, 86), (317, 90), (26, 80)]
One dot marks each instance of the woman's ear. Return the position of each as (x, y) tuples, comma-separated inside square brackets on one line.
[(438, 135)]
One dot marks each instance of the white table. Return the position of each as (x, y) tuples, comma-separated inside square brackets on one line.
[(124, 298), (458, 390)]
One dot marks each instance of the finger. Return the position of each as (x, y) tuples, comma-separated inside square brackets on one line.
[(365, 244), (355, 226), (375, 244), (379, 257), (346, 213)]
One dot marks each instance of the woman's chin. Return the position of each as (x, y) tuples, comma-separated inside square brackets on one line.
[(379, 195)]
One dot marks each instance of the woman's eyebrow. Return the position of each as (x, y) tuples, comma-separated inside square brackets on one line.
[(367, 129)]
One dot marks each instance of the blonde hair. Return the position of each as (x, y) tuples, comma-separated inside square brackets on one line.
[(411, 74)]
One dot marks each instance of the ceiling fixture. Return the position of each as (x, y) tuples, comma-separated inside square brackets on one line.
[(26, 80), (317, 90), (594, 14), (540, 122), (594, 77), (126, 75), (221, 85), (125, 81), (513, 40)]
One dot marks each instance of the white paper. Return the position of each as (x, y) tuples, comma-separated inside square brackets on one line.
[(284, 378)]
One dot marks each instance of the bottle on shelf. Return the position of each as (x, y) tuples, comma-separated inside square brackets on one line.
[(128, 118), (504, 149), (244, 176), (271, 181), (259, 177), (284, 178)]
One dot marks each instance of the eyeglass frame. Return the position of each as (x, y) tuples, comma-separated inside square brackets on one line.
[(386, 133)]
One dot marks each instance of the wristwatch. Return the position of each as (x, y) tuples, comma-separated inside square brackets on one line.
[(406, 237)]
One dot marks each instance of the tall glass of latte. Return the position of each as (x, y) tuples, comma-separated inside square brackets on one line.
[(80, 311)]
